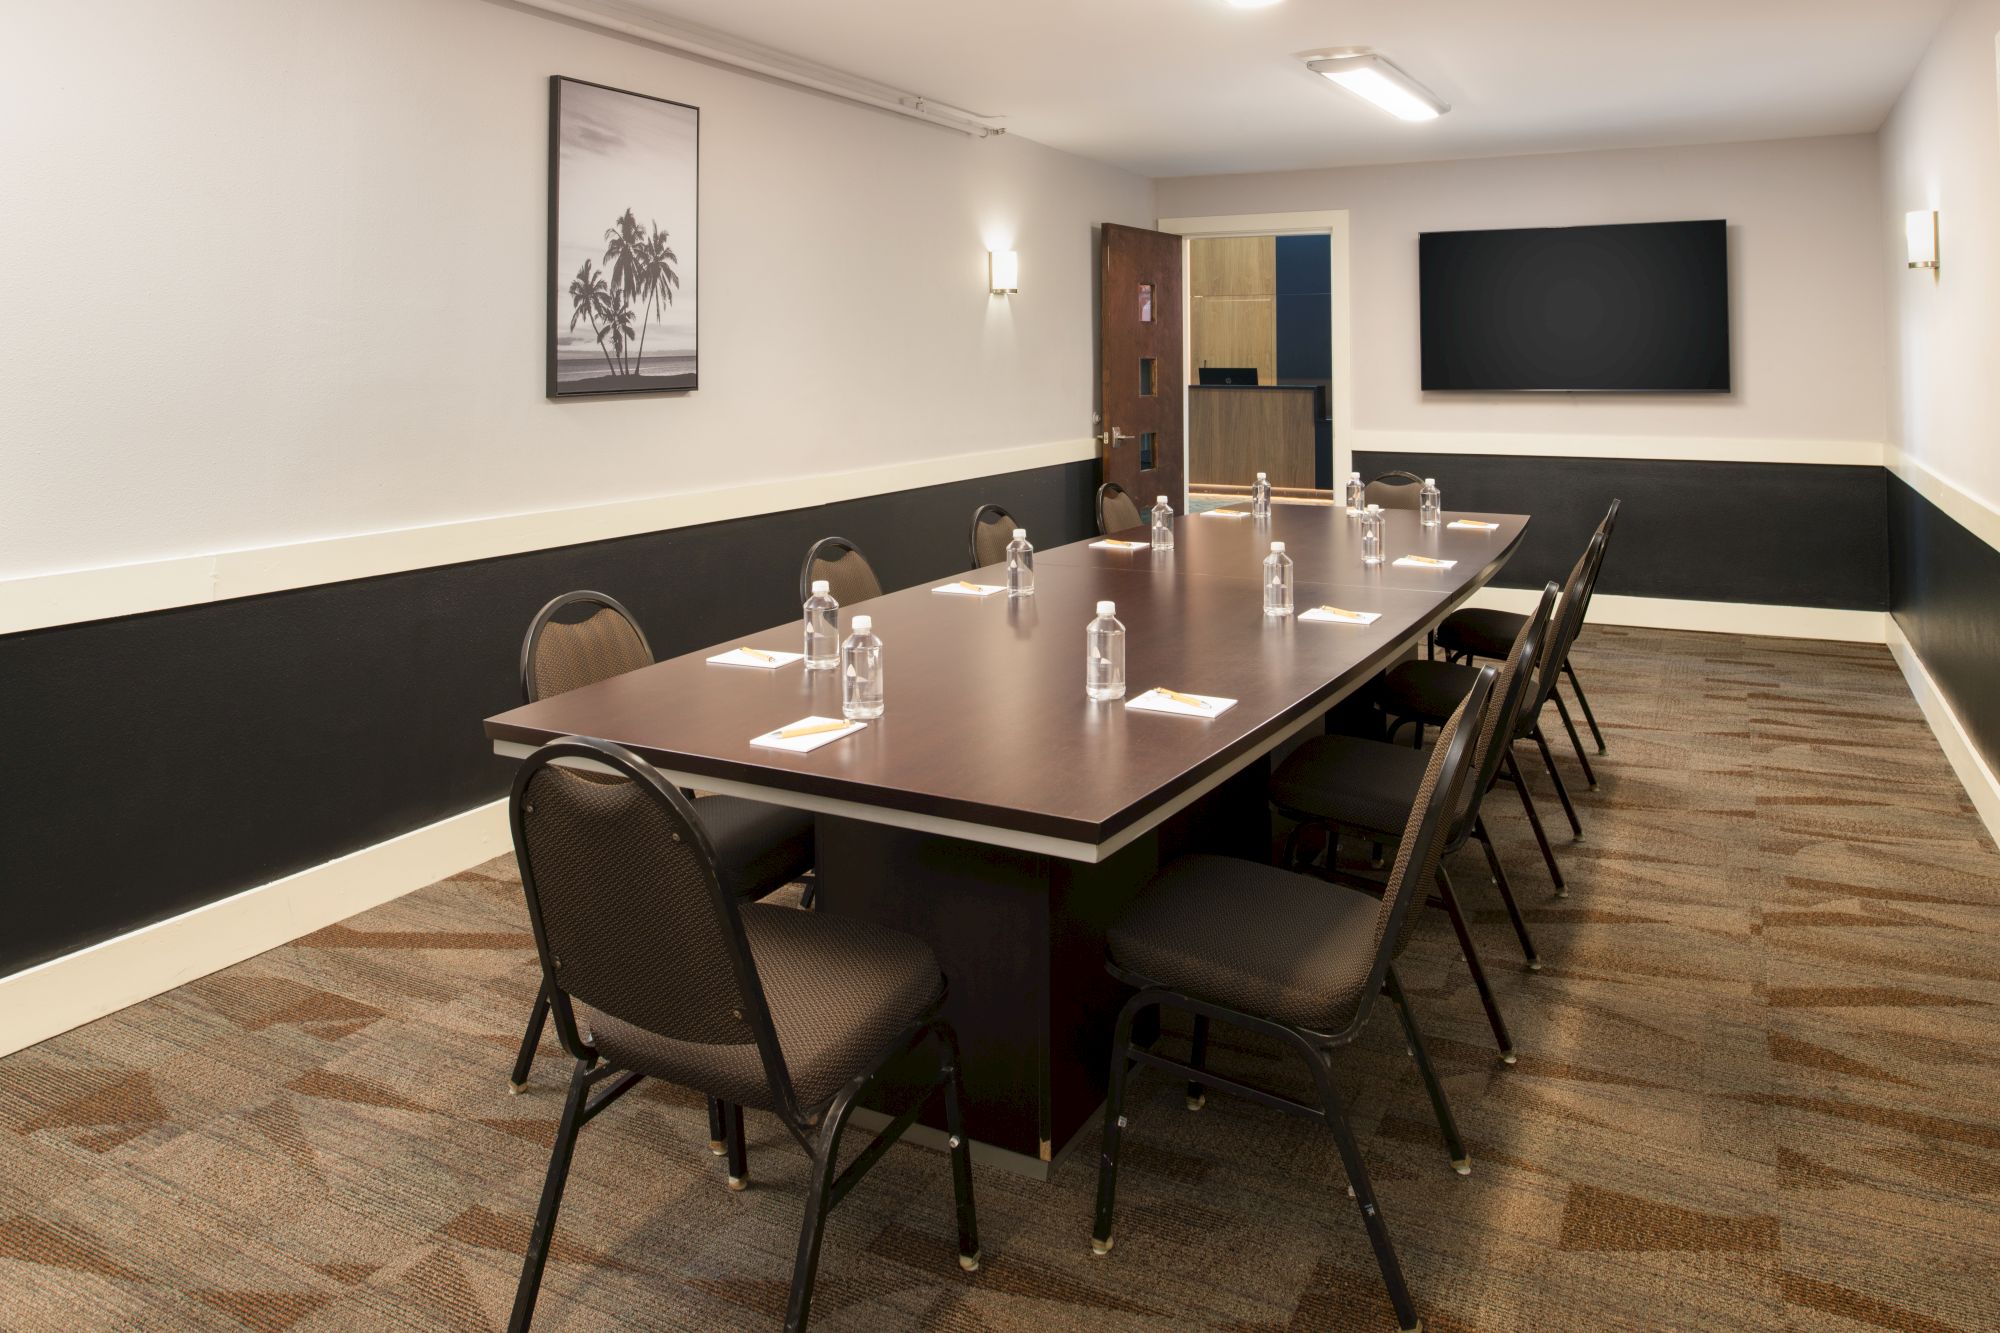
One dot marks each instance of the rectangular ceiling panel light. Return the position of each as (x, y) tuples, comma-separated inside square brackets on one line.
[(1376, 80)]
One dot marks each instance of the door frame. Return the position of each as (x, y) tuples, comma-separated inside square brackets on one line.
[(1331, 223)]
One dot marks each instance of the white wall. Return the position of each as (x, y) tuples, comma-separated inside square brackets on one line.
[(275, 273), (1941, 150), (1807, 298)]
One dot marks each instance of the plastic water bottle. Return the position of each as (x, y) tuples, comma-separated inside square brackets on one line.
[(1371, 535), (1163, 525), (861, 672), (1430, 503), (1357, 494), (1020, 565), (1260, 497), (1277, 581), (822, 628), (1104, 655)]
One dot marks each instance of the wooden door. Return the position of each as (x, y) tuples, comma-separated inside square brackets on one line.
[(1143, 439)]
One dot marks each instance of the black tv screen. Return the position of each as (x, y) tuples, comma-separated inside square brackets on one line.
[(1640, 308)]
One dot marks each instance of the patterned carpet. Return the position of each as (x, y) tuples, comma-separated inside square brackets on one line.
[(1759, 1088)]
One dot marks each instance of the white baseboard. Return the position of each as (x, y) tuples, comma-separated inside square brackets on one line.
[(70, 991), (1784, 622), (1973, 771)]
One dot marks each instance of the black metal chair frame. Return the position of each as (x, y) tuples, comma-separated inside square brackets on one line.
[(818, 1131), (1469, 827), (1408, 479), (972, 540), (532, 641), (816, 552), (1113, 488), (1315, 1047)]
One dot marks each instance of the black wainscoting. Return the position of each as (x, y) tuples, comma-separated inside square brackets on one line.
[(164, 761), (1946, 597), (1782, 534)]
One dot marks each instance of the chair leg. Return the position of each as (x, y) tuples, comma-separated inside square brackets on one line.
[(1576, 687), (1461, 1162), (717, 1131), (552, 1191), (1513, 771), (809, 894), (1197, 1092), (1364, 1196), (531, 1041), (819, 1202), (1493, 1016), (1556, 777), (1506, 894), (739, 1155), (1114, 1125), (961, 1154), (1576, 742)]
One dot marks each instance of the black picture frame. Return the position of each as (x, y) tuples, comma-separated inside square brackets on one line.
[(603, 121)]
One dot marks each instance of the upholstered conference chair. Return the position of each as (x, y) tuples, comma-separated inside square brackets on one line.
[(840, 562), (655, 968), (1396, 490), (1483, 632), (1116, 509), (1348, 784), (992, 529), (1293, 959), (581, 638)]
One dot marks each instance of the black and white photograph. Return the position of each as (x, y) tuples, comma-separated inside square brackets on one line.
[(622, 183)]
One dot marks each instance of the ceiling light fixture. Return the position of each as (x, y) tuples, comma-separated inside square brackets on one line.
[(1376, 79)]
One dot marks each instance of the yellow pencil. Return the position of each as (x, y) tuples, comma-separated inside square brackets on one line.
[(1180, 698), (752, 652), (812, 730)]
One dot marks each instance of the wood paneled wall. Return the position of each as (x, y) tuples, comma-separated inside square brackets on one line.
[(1233, 434), (1234, 281)]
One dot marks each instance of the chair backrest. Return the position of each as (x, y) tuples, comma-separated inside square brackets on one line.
[(1396, 490), (1568, 620), (992, 528), (1116, 509), (840, 562), (1510, 694), (630, 912), (579, 639), (1604, 527), (1424, 834)]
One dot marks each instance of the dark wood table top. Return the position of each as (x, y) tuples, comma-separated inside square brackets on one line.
[(987, 723)]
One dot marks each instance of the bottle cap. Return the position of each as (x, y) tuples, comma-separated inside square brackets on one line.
[(1278, 547), (1374, 509), (1161, 500), (1262, 476), (821, 586), (1020, 534), (1430, 481), (1354, 476), (1107, 608), (864, 624)]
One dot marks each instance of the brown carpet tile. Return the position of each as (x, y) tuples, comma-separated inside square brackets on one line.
[(1759, 1088)]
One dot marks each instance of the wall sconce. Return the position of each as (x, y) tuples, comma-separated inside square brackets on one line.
[(1003, 270), (1920, 229)]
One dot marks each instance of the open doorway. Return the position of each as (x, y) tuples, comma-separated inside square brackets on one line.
[(1266, 321)]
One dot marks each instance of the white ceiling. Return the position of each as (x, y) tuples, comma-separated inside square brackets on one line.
[(1189, 87)]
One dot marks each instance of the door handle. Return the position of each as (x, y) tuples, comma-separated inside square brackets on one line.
[(1114, 437)]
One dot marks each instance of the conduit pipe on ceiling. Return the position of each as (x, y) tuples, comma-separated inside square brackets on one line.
[(903, 104)]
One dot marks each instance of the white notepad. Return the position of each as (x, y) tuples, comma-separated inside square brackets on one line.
[(1109, 545), (964, 589), (1472, 525), (1226, 513), (776, 740), (1422, 562), (755, 657), (1161, 700), (1333, 615)]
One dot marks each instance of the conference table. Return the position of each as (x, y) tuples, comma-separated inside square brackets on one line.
[(1003, 816)]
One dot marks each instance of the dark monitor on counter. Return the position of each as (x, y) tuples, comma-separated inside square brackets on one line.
[(1229, 375)]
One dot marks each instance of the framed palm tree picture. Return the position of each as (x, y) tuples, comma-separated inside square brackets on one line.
[(622, 185)]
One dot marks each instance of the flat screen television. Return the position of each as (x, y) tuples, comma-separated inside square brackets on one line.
[(1636, 308)]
